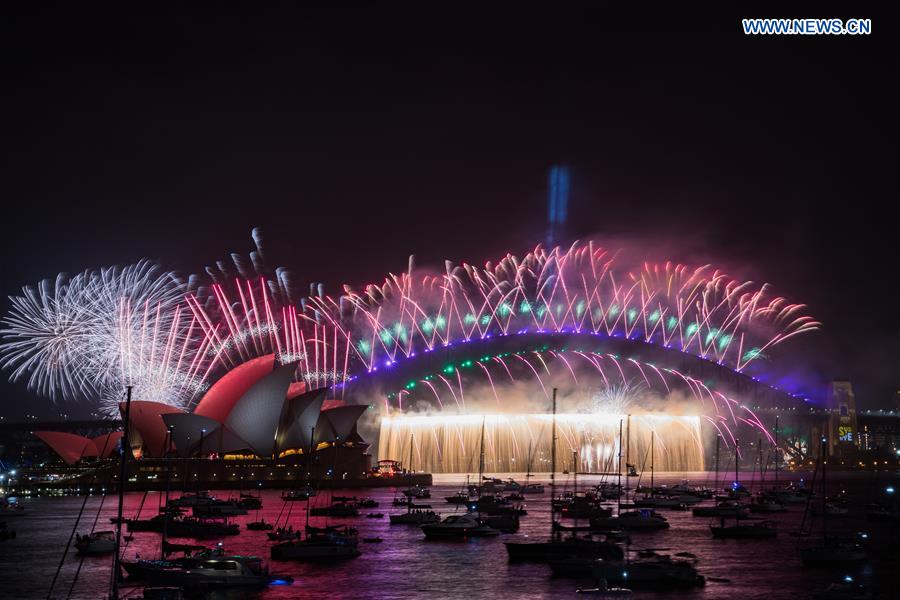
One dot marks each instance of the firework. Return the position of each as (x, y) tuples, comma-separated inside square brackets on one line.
[(700, 311), (90, 335)]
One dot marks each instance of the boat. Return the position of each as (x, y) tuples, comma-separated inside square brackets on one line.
[(329, 544), (375, 516), (97, 542), (225, 572), (604, 591), (560, 547), (756, 530), (415, 517), (191, 499), (260, 526), (767, 505), (660, 572), (644, 519), (502, 523), (458, 498), (845, 590), (283, 534), (218, 508), (183, 527), (366, 503), (338, 509), (533, 488), (726, 508), (418, 491), (459, 526), (250, 502), (303, 493), (830, 551)]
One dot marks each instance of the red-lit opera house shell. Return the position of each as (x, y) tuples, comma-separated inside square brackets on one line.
[(107, 443), (146, 418), (227, 391), (70, 447)]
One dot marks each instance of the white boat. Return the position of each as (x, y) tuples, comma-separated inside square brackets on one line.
[(211, 573), (460, 526), (98, 542)]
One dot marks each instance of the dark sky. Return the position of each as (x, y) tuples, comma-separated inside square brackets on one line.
[(357, 136)]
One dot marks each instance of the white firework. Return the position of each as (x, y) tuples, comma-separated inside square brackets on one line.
[(89, 336)]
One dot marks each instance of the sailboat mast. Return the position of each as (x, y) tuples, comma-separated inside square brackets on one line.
[(776, 450), (627, 454), (481, 458), (718, 443), (737, 478), (412, 438), (619, 469), (312, 436), (126, 448), (553, 464), (652, 485)]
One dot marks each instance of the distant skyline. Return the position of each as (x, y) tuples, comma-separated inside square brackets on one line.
[(357, 138)]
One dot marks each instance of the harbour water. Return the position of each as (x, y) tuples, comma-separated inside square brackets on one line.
[(405, 566)]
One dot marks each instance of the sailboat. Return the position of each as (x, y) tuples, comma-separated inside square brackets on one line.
[(467, 525), (830, 551), (531, 488), (557, 546), (643, 519)]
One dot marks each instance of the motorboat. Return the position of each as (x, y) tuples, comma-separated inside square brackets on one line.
[(845, 590), (660, 572), (415, 517), (832, 552), (569, 546), (459, 526), (502, 523), (458, 498), (602, 590), (532, 488), (418, 492), (366, 503), (250, 502), (283, 534), (726, 508), (338, 509), (757, 530), (98, 542), (644, 519), (319, 544), (218, 508), (375, 516), (260, 526), (206, 573), (177, 526), (767, 505), (303, 493), (191, 499)]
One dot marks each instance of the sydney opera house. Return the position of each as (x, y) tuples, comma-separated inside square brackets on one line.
[(254, 425)]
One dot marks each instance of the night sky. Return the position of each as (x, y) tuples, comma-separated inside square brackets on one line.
[(359, 136)]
